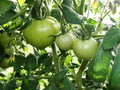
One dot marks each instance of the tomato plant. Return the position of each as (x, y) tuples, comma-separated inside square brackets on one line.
[(59, 44), (40, 32), (85, 49), (64, 41)]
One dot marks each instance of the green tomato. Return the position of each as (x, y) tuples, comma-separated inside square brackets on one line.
[(4, 63), (4, 39), (40, 32), (85, 49), (64, 41), (9, 50)]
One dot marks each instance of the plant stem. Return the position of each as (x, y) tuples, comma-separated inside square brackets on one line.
[(79, 74), (55, 59), (100, 22), (102, 17), (81, 7)]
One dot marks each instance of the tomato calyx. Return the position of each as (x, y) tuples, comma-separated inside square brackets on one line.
[(84, 31)]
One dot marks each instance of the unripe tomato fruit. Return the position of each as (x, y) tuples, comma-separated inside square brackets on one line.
[(39, 32), (4, 63), (9, 50), (85, 49), (64, 41), (4, 39)]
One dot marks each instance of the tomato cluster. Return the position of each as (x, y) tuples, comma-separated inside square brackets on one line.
[(40, 34), (85, 49)]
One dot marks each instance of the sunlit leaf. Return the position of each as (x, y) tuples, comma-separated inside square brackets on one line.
[(94, 4), (98, 69)]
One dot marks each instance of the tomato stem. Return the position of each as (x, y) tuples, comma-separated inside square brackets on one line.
[(81, 7), (55, 59), (79, 74)]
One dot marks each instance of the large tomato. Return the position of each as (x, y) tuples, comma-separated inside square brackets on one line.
[(85, 49), (64, 41), (40, 32)]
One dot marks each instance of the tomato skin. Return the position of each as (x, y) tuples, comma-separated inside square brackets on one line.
[(39, 32), (9, 50), (4, 39), (85, 49), (64, 41), (4, 63)]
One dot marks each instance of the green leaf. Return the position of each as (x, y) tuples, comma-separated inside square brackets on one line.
[(31, 62), (11, 85), (67, 3), (71, 16), (66, 84), (7, 17), (98, 69), (1, 86), (60, 75), (55, 12), (28, 84), (29, 1), (90, 27), (19, 61), (114, 81), (5, 5), (92, 21), (45, 62), (111, 38), (52, 86)]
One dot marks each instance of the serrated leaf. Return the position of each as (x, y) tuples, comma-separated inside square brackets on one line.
[(5, 5), (71, 16), (98, 69), (114, 81), (111, 38), (67, 3), (66, 84)]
